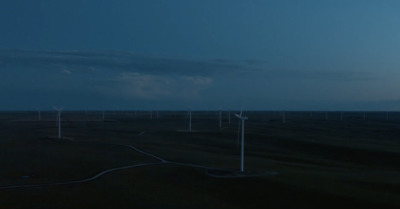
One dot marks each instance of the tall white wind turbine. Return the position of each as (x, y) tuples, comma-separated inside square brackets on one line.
[(242, 118), (190, 119), (238, 136), (58, 120)]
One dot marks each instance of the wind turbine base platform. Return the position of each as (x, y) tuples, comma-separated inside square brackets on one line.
[(234, 173)]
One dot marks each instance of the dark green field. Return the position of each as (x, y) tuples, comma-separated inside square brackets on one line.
[(334, 163)]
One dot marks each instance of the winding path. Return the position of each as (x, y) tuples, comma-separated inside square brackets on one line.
[(161, 161), (78, 181)]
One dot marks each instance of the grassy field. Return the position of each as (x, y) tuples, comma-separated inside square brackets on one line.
[(334, 163)]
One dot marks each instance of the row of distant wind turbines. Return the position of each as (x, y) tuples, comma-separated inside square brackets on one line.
[(189, 115), (326, 116), (283, 115)]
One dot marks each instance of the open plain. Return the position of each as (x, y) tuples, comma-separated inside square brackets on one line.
[(141, 160)]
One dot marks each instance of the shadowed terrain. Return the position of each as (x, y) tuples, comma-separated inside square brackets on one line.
[(334, 163)]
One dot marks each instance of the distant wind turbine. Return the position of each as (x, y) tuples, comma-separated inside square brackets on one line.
[(220, 119), (39, 116), (190, 119)]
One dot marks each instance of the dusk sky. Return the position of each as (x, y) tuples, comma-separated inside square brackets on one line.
[(217, 54)]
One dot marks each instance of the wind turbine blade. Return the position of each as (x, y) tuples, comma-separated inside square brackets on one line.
[(241, 117), (241, 111), (55, 107)]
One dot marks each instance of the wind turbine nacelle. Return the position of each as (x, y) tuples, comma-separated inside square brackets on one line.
[(58, 109), (240, 117)]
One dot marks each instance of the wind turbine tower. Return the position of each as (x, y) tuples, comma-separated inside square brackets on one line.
[(190, 120), (220, 119), (59, 120), (242, 133)]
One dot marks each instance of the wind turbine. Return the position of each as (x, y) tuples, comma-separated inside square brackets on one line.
[(238, 137), (220, 119), (242, 148), (190, 119), (58, 120), (39, 115)]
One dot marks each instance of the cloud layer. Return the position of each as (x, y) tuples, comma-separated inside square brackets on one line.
[(124, 79)]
